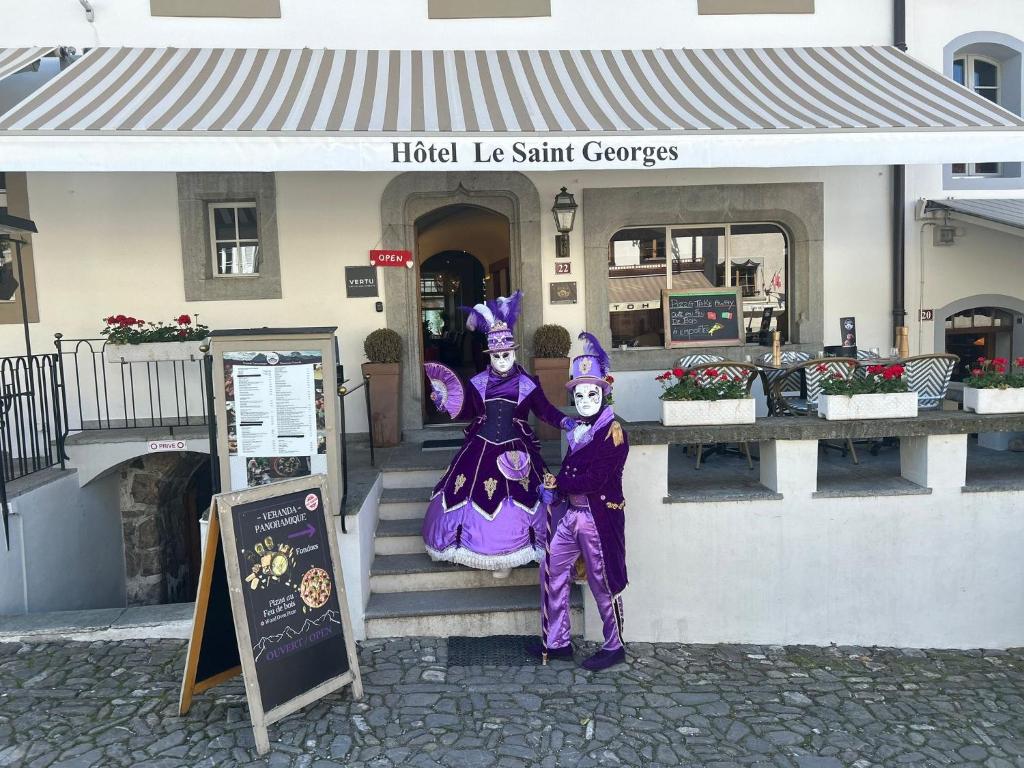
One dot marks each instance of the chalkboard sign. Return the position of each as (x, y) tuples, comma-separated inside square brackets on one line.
[(288, 598), (705, 317)]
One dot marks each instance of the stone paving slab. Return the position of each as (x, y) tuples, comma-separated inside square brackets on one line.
[(115, 704), (140, 622)]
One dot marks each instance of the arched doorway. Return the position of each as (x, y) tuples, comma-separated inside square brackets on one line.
[(462, 254), (980, 326)]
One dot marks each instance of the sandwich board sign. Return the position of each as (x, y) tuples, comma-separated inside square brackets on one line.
[(292, 630)]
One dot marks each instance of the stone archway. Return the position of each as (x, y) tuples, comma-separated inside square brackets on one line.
[(410, 196), (153, 520)]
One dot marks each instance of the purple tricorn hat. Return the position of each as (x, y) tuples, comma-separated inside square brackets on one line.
[(592, 366), (497, 319)]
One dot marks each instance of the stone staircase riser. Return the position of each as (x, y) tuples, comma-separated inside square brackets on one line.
[(464, 624), (402, 510), (462, 579), (413, 478), (397, 545)]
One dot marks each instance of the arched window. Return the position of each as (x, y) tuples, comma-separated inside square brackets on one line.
[(644, 260), (982, 75)]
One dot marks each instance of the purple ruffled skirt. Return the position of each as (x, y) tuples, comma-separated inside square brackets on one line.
[(485, 513)]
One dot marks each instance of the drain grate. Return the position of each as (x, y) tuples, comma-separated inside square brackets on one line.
[(491, 651)]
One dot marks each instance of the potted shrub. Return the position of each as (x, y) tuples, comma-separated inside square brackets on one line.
[(993, 388), (383, 349), (130, 340), (551, 366), (708, 398), (881, 393)]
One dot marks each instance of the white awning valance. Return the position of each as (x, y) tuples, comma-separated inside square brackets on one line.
[(525, 110)]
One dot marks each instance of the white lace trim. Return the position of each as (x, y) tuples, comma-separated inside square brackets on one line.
[(463, 556)]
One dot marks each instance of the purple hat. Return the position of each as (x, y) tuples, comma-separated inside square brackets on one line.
[(497, 319), (592, 366)]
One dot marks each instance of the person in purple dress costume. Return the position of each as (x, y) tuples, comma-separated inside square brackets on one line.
[(587, 512), (484, 511)]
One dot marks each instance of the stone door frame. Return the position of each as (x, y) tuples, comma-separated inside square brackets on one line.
[(410, 196)]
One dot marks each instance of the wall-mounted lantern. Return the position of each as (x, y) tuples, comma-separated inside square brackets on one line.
[(564, 211)]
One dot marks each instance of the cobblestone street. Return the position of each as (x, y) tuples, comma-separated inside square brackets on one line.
[(115, 703)]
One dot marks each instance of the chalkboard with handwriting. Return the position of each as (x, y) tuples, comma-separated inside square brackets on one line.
[(706, 317)]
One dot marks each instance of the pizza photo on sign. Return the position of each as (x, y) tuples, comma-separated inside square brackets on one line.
[(315, 588)]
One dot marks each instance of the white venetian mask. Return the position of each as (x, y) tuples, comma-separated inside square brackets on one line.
[(587, 398), (502, 362)]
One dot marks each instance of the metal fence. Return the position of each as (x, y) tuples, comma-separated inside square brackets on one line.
[(31, 419), (102, 392)]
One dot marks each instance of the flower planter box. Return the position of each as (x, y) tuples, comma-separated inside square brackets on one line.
[(895, 405), (680, 413), (1010, 400), (153, 351)]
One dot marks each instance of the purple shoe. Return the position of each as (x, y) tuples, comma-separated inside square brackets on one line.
[(535, 647), (604, 659)]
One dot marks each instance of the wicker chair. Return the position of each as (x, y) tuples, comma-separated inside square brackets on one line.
[(929, 376), (814, 372), (731, 369)]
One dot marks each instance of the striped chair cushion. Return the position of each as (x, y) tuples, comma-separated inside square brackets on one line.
[(787, 358), (688, 361), (929, 377), (817, 373)]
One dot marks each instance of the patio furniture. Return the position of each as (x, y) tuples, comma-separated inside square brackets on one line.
[(731, 369), (771, 375), (929, 376), (813, 373), (689, 361)]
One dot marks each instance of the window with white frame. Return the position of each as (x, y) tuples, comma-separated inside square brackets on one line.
[(234, 239), (644, 260), (981, 75)]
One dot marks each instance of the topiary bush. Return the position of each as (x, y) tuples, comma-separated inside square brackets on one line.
[(551, 341), (383, 346)]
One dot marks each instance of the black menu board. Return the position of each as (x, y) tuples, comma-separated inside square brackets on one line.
[(705, 317), (291, 602)]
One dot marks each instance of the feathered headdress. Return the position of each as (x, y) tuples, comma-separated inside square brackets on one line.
[(497, 319), (593, 366)]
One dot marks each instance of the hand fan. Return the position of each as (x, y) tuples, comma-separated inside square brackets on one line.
[(450, 393)]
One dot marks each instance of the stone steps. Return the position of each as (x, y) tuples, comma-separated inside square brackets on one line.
[(404, 503), (399, 537), (418, 573), (466, 612)]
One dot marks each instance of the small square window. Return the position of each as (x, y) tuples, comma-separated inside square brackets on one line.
[(234, 239)]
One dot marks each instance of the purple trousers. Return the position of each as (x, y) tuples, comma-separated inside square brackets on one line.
[(576, 535)]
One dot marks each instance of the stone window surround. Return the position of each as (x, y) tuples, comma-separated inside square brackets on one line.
[(231, 9), (195, 192), (487, 9), (17, 205), (730, 7), (1009, 52), (797, 206)]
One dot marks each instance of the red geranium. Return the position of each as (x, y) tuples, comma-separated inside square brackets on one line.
[(822, 368), (184, 320), (1019, 362), (712, 372), (610, 379), (678, 373), (874, 370)]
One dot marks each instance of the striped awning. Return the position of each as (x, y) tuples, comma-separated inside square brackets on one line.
[(666, 107), (644, 291), (16, 59)]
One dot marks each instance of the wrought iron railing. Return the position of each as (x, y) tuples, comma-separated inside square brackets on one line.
[(103, 392)]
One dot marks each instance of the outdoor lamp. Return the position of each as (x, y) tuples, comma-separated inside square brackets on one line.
[(564, 211)]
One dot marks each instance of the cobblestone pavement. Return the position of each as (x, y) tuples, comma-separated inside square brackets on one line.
[(115, 703)]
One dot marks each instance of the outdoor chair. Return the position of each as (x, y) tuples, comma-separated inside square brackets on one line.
[(731, 369), (814, 373), (689, 361), (772, 376), (929, 376), (790, 357)]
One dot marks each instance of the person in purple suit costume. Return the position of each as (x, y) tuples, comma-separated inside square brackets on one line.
[(484, 511), (587, 512)]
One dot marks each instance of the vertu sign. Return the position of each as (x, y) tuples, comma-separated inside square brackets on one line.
[(391, 258)]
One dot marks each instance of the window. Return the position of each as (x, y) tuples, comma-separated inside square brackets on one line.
[(234, 238), (982, 76), (979, 332), (487, 9), (644, 260)]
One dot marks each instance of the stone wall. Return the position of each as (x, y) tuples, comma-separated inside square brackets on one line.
[(154, 522)]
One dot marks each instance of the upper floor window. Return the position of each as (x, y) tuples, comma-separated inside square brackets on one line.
[(3, 192), (982, 76), (234, 238), (644, 260)]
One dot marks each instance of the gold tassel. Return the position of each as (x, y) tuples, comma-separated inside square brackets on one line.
[(615, 433)]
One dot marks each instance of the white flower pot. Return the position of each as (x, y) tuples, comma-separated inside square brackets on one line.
[(895, 405), (680, 413), (994, 400), (153, 351)]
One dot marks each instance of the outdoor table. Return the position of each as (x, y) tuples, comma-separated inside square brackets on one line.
[(771, 373)]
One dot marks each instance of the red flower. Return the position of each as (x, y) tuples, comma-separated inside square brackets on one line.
[(1000, 361), (609, 379), (678, 373), (874, 370), (693, 374), (712, 372), (139, 323), (184, 320), (889, 374), (1019, 362), (896, 370), (999, 368), (110, 320), (975, 371), (982, 359), (822, 368)]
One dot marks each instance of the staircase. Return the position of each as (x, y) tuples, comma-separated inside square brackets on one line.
[(411, 595)]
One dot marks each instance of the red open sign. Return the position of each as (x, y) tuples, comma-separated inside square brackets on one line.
[(390, 258)]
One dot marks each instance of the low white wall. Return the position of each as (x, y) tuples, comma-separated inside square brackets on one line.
[(67, 549), (935, 570), (356, 548)]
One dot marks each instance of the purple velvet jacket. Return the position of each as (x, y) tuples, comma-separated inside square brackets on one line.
[(594, 469), (518, 385)]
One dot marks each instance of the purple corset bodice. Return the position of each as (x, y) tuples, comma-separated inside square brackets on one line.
[(497, 426)]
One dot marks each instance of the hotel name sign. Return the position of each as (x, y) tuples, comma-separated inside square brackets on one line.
[(534, 153)]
